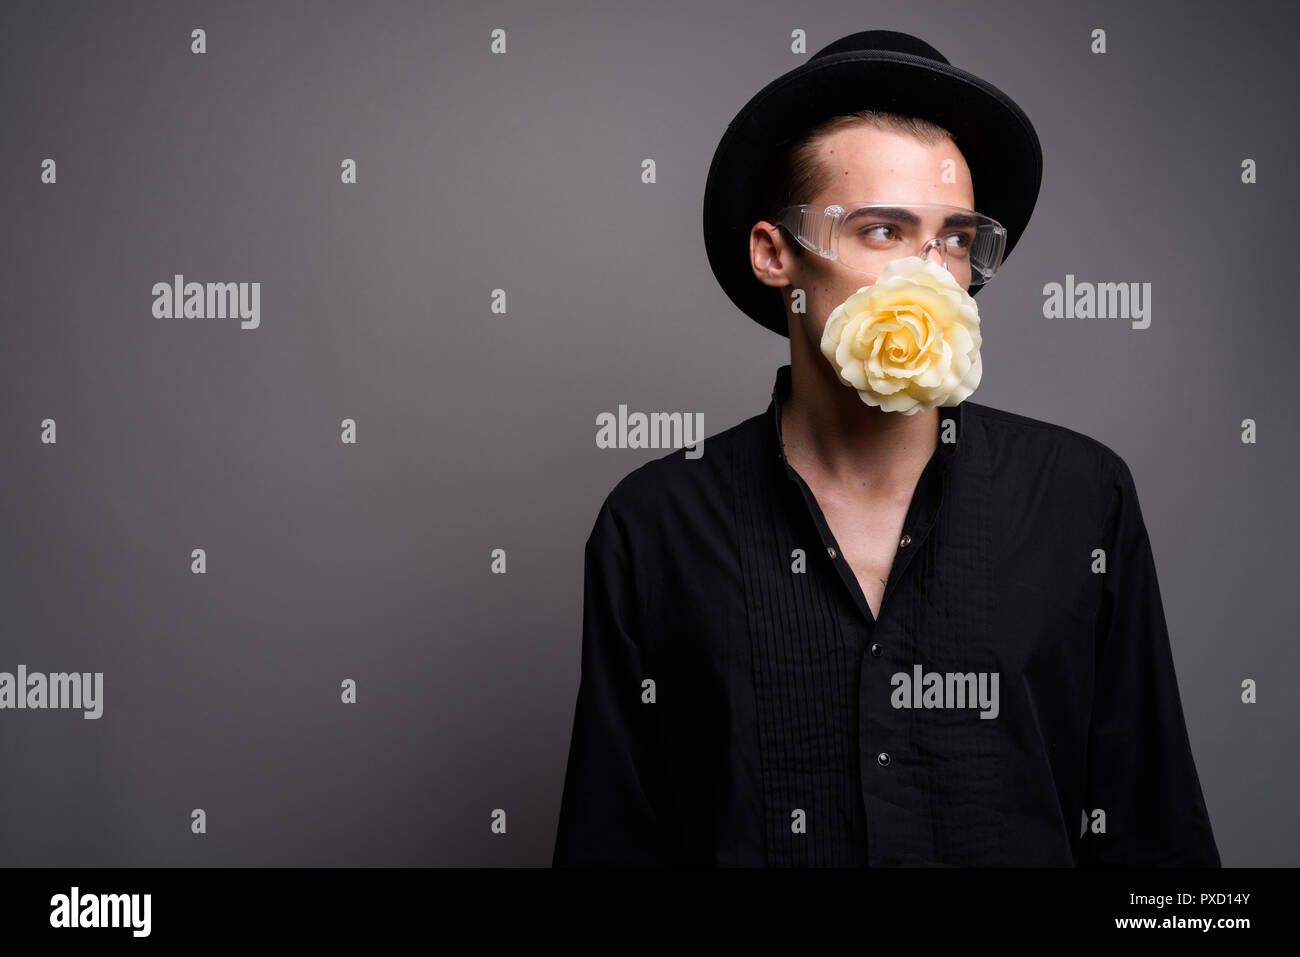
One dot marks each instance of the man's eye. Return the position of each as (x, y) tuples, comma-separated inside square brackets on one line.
[(886, 232)]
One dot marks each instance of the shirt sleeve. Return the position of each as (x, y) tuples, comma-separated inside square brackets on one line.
[(1140, 770), (612, 808)]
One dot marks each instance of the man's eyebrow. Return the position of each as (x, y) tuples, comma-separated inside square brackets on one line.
[(903, 215)]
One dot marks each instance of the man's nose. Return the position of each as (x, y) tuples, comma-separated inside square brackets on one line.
[(934, 251)]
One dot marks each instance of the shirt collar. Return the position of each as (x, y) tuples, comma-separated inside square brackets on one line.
[(781, 391)]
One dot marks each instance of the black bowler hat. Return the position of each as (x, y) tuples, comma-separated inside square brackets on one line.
[(877, 70)]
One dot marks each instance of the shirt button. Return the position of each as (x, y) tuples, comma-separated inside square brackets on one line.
[(876, 650), (905, 541), (830, 552), (883, 759)]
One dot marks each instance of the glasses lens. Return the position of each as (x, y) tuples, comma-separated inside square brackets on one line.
[(871, 236)]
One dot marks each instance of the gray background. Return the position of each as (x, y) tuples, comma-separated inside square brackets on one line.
[(476, 430)]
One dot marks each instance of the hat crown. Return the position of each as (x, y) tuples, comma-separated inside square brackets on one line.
[(881, 40)]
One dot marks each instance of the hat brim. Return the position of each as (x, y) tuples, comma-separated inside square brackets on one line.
[(994, 135)]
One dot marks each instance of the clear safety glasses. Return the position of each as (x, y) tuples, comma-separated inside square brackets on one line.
[(865, 237)]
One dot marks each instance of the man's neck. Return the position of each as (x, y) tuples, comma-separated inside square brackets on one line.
[(832, 437)]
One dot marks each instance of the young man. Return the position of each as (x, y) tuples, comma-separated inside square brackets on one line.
[(877, 624)]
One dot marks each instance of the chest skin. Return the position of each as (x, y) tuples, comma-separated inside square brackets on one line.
[(867, 530)]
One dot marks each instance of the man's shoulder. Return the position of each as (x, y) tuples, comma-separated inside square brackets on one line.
[(1015, 439), (677, 480)]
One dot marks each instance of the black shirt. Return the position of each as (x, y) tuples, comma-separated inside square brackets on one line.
[(738, 704)]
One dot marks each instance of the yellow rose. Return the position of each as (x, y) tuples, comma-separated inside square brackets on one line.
[(910, 342)]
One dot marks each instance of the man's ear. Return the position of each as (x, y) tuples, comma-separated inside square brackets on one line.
[(769, 254)]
